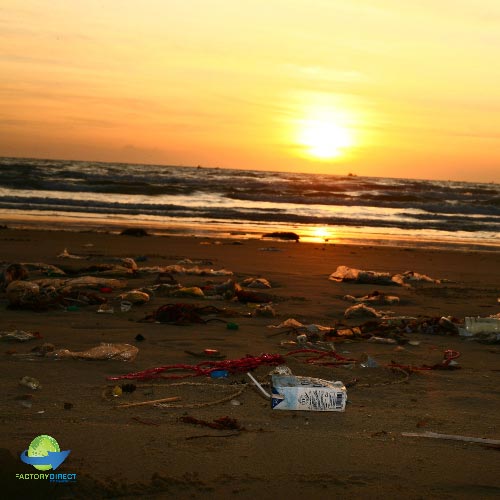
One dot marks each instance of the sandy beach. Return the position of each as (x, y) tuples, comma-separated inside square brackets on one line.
[(148, 451)]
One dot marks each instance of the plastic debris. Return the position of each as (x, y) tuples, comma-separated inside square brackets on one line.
[(104, 351), (125, 306), (105, 309), (30, 382), (283, 235), (66, 255), (265, 311), (291, 392), (205, 368), (135, 297), (256, 283), (19, 335), (381, 340), (373, 298), (13, 272), (360, 311), (192, 291), (453, 437), (289, 323), (176, 269), (475, 325), (344, 273)]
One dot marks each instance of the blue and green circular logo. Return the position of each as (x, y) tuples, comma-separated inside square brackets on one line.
[(44, 453), (40, 447)]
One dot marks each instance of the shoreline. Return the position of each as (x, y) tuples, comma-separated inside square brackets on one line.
[(234, 231)]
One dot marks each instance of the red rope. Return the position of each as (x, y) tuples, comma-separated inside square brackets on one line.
[(205, 368)]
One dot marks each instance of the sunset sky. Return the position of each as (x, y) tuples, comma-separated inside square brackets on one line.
[(374, 87)]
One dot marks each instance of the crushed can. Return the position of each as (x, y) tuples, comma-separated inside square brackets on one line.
[(291, 392)]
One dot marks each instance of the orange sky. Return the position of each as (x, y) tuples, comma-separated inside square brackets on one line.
[(373, 87)]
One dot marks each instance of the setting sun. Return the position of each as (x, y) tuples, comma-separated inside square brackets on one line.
[(323, 135)]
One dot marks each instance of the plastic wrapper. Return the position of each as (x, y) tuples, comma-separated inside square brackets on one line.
[(104, 351), (290, 392)]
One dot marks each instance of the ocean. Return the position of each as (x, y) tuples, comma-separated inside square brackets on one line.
[(248, 203)]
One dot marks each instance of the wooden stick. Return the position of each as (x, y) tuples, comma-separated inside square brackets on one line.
[(454, 437), (152, 402)]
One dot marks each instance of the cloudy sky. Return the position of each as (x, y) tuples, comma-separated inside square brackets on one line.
[(373, 87)]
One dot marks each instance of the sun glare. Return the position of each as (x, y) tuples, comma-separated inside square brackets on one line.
[(324, 136)]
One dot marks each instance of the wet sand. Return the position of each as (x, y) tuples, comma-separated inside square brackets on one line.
[(146, 451)]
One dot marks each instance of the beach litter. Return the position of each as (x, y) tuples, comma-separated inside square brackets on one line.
[(104, 351), (177, 269), (182, 314), (265, 311), (30, 383), (452, 437), (283, 235), (125, 306), (19, 335), (256, 283), (349, 274), (13, 272), (293, 392), (66, 255), (204, 369), (375, 297), (135, 297), (362, 310), (484, 330)]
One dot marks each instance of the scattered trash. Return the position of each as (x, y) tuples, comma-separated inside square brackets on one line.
[(125, 306), (360, 311), (207, 354), (104, 351), (30, 382), (232, 326), (13, 272), (373, 298), (436, 435), (381, 340), (152, 402), (135, 297), (475, 325), (265, 311), (134, 231), (66, 255), (19, 335), (291, 392), (368, 362), (235, 402), (192, 291), (117, 391), (105, 309), (219, 374), (205, 368), (177, 269), (283, 235), (251, 296), (344, 273), (256, 283), (182, 314)]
